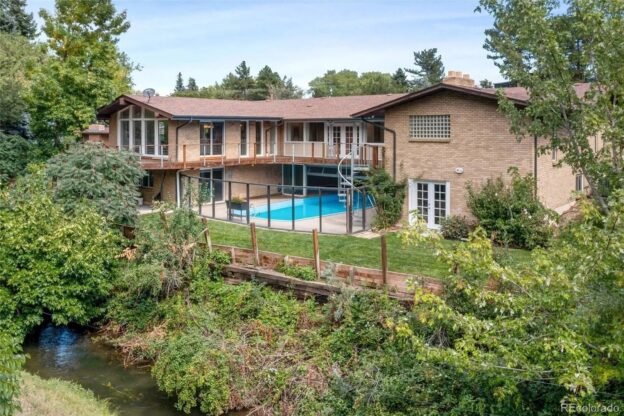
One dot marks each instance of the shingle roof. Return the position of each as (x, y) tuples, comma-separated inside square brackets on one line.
[(519, 95), (294, 109)]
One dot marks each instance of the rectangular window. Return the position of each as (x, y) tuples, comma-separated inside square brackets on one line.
[(163, 136), (150, 137), (316, 132), (243, 138), (136, 135), (148, 180), (579, 183), (258, 137), (295, 132), (430, 127), (136, 111), (125, 134), (211, 138)]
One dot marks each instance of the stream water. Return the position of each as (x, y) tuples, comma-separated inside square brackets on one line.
[(69, 354)]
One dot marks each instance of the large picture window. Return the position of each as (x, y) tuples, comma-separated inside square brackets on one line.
[(141, 132), (211, 138)]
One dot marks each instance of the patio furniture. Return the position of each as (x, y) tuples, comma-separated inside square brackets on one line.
[(237, 209)]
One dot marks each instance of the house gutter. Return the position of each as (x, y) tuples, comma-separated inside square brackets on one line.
[(393, 143)]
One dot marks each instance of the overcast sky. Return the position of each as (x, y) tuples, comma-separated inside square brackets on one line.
[(301, 39)]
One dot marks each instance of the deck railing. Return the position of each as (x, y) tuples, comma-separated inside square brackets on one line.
[(208, 154)]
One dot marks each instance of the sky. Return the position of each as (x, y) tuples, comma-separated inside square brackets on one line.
[(302, 39)]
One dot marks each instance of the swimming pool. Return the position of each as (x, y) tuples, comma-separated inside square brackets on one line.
[(307, 207)]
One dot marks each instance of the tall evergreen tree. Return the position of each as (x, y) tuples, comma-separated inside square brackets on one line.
[(428, 70), (179, 86), (192, 85), (15, 20), (400, 79)]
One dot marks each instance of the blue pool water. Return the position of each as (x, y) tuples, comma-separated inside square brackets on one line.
[(308, 207)]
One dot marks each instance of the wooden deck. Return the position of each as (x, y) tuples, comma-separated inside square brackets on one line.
[(218, 161)]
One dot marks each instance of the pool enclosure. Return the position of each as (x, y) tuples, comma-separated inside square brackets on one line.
[(291, 205)]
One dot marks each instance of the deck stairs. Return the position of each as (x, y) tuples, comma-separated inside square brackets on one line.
[(350, 170)]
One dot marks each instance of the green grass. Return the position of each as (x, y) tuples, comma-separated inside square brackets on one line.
[(419, 260), (54, 397)]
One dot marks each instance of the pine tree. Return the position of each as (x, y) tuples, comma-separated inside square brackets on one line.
[(179, 86), (400, 79), (486, 83), (192, 85), (429, 68), (15, 20)]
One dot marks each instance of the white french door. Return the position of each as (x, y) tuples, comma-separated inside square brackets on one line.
[(430, 200), (344, 138)]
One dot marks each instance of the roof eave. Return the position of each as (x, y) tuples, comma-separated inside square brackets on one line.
[(378, 109)]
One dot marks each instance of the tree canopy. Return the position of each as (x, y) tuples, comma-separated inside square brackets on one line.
[(84, 69), (105, 177), (428, 69), (15, 20), (347, 82), (579, 40)]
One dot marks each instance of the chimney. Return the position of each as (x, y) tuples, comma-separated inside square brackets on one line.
[(459, 78)]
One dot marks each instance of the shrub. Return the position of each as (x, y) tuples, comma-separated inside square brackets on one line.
[(52, 263), (106, 177), (455, 227), (297, 270), (512, 214), (389, 196), (15, 153), (10, 364)]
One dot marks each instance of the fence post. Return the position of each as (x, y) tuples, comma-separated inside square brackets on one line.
[(292, 203), (247, 211), (269, 206), (207, 235), (229, 204), (384, 260), (317, 254), (364, 201), (212, 195), (320, 210), (254, 244)]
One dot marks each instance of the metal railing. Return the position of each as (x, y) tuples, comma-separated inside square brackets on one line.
[(278, 206)]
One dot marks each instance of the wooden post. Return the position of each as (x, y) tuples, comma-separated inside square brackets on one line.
[(269, 206), (254, 244), (207, 237), (384, 260), (184, 156), (317, 254)]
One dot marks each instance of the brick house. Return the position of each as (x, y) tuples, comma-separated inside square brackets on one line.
[(438, 139)]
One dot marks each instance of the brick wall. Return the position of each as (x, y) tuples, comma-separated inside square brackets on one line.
[(480, 144)]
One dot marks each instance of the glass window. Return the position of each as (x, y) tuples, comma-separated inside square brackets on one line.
[(150, 137), (149, 114), (430, 127), (125, 114), (258, 137), (243, 138), (295, 132), (316, 132), (136, 135), (148, 180), (136, 111), (163, 136), (125, 134)]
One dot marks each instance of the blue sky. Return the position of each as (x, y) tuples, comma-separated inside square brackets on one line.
[(302, 39)]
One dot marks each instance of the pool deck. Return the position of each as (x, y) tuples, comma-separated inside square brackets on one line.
[(330, 224)]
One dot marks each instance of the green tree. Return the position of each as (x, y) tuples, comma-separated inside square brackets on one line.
[(429, 69), (569, 48), (192, 85), (179, 86), (105, 177), (84, 69), (18, 57), (486, 83), (15, 153), (335, 84), (10, 364), (15, 20), (377, 83), (400, 80), (52, 263)]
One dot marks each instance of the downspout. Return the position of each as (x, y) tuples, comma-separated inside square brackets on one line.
[(535, 166), (393, 144), (177, 133)]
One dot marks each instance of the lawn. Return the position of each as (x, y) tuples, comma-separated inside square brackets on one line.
[(346, 249)]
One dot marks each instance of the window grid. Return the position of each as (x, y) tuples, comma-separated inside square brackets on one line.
[(430, 127)]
